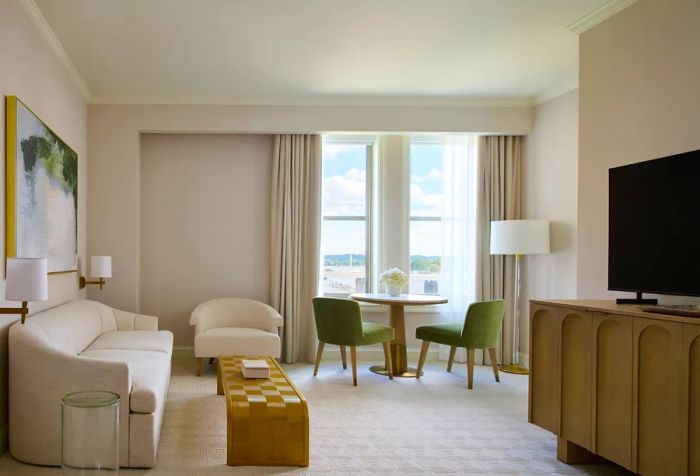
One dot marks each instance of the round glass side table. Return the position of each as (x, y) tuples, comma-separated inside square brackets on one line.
[(90, 430)]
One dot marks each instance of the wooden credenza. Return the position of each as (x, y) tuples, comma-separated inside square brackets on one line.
[(614, 382)]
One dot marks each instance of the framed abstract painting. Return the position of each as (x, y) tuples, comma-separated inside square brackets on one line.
[(41, 187)]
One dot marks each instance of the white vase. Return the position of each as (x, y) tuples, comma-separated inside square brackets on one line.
[(393, 290)]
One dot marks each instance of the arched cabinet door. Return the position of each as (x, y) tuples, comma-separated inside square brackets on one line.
[(691, 404), (545, 329), (657, 388), (576, 365), (612, 388)]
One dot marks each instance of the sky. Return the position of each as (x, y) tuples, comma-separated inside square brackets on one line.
[(344, 191)]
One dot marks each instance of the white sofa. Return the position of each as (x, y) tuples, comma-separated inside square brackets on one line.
[(80, 346), (235, 326)]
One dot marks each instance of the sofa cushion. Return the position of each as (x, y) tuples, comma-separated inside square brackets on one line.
[(160, 341), (223, 341), (150, 375)]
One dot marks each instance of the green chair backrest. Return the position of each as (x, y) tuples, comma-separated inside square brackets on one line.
[(482, 324), (338, 321)]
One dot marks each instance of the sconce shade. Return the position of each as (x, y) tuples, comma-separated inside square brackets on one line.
[(27, 279), (519, 237), (101, 266)]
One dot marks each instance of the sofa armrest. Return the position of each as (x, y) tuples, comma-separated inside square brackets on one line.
[(128, 321), (39, 378)]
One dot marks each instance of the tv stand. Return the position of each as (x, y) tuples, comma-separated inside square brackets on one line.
[(638, 300)]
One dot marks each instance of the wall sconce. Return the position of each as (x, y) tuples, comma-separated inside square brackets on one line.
[(26, 281), (101, 268)]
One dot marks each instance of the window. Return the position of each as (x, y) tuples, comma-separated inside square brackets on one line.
[(426, 167), (399, 201), (345, 231)]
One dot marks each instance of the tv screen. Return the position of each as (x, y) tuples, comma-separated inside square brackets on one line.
[(654, 227)]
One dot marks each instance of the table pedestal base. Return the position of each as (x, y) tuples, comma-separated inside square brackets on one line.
[(399, 363), (410, 372)]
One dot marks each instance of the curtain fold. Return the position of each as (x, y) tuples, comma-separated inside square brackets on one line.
[(499, 198), (458, 270), (295, 240)]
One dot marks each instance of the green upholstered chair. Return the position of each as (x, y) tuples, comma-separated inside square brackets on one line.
[(480, 330), (339, 322)]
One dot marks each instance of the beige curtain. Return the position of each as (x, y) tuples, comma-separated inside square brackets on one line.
[(295, 238), (498, 195)]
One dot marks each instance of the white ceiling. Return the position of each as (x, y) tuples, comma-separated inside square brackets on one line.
[(321, 51)]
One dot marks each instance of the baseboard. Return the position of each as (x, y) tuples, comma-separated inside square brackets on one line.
[(4, 437)]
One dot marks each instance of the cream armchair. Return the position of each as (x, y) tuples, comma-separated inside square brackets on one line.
[(235, 326)]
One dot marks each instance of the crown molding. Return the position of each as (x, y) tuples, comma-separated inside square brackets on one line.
[(47, 32), (599, 15), (555, 93), (332, 101)]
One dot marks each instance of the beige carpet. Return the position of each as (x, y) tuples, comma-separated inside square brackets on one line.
[(405, 426)]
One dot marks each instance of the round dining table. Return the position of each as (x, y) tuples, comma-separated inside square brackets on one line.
[(397, 321)]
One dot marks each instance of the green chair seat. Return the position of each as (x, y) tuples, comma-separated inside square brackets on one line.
[(376, 333), (446, 334)]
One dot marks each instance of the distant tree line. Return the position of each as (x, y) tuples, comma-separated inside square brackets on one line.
[(420, 263)]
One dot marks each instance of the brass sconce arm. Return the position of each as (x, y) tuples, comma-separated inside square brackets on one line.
[(23, 311), (100, 282)]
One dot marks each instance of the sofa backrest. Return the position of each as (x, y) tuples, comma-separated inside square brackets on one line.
[(70, 327)]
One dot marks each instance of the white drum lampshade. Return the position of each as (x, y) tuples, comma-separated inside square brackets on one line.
[(27, 279), (101, 266), (519, 237)]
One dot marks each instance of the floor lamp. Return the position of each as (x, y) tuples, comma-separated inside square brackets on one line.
[(518, 237)]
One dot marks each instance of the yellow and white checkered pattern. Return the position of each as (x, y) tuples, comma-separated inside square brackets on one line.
[(267, 419)]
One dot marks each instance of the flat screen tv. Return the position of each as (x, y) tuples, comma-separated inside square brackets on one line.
[(654, 227)]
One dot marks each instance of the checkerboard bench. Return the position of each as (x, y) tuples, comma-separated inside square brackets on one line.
[(267, 419)]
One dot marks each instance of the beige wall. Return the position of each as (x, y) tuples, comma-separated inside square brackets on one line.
[(30, 71), (114, 173), (550, 191), (639, 99), (205, 222)]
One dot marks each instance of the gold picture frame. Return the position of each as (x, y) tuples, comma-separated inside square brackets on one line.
[(41, 191)]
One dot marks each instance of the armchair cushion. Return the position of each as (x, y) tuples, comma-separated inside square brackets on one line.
[(160, 341), (446, 334), (227, 341)]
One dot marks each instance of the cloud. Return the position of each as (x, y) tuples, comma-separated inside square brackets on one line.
[(424, 203), (345, 194), (432, 175)]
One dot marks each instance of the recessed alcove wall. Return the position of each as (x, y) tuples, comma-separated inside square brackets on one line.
[(205, 222)]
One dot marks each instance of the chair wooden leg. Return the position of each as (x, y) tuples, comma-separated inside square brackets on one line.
[(470, 368), (199, 366), (387, 361), (494, 363), (451, 358), (421, 359), (343, 357), (353, 361), (319, 353)]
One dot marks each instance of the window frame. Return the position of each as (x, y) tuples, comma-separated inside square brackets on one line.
[(370, 143), (429, 140)]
